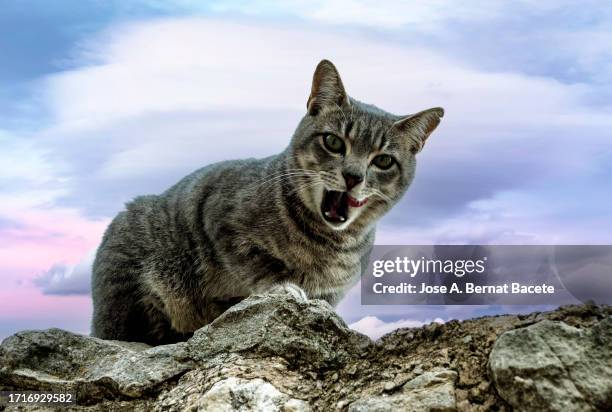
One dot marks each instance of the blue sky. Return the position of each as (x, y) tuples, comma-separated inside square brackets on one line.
[(104, 100)]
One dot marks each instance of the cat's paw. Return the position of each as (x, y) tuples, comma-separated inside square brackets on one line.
[(289, 289)]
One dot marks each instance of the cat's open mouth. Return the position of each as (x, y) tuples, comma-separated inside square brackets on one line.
[(335, 205)]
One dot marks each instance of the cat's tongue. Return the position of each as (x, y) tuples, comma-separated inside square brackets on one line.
[(335, 206)]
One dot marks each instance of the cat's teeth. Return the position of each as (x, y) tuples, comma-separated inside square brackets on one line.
[(342, 219), (328, 214)]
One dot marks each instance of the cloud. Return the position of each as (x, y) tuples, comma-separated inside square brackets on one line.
[(569, 41), (62, 279), (375, 328), (22, 160), (173, 65), (388, 14)]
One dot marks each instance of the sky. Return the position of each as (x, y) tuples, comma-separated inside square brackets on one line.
[(101, 101)]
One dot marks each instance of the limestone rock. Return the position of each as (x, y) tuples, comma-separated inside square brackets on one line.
[(303, 332), (95, 369), (236, 394), (431, 391), (551, 366)]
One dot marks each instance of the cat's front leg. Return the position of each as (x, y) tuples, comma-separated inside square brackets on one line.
[(290, 289)]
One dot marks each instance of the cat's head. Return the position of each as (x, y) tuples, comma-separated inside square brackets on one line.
[(353, 161)]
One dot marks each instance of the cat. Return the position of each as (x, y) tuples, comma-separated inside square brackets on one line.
[(300, 222)]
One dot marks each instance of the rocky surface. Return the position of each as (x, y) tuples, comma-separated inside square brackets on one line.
[(276, 353), (560, 367)]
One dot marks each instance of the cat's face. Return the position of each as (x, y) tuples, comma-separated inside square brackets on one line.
[(353, 161)]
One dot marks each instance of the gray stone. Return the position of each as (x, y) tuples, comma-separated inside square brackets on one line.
[(256, 395), (551, 366), (95, 369), (303, 332), (431, 391)]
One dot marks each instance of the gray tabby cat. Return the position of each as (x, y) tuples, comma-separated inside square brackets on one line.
[(300, 222)]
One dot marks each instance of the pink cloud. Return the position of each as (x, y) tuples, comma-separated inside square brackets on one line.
[(40, 238), (45, 237)]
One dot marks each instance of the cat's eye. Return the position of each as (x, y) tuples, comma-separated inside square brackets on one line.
[(383, 161), (333, 143)]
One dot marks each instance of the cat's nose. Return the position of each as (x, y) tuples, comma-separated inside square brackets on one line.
[(352, 180)]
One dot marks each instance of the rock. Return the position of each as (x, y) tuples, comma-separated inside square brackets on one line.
[(303, 332), (431, 391), (236, 394), (95, 369), (552, 366), (277, 352)]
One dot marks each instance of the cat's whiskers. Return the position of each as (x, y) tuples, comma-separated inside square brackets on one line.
[(376, 192), (303, 187), (285, 176), (273, 220), (282, 172)]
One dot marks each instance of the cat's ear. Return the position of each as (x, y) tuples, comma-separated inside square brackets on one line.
[(419, 126), (327, 89)]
